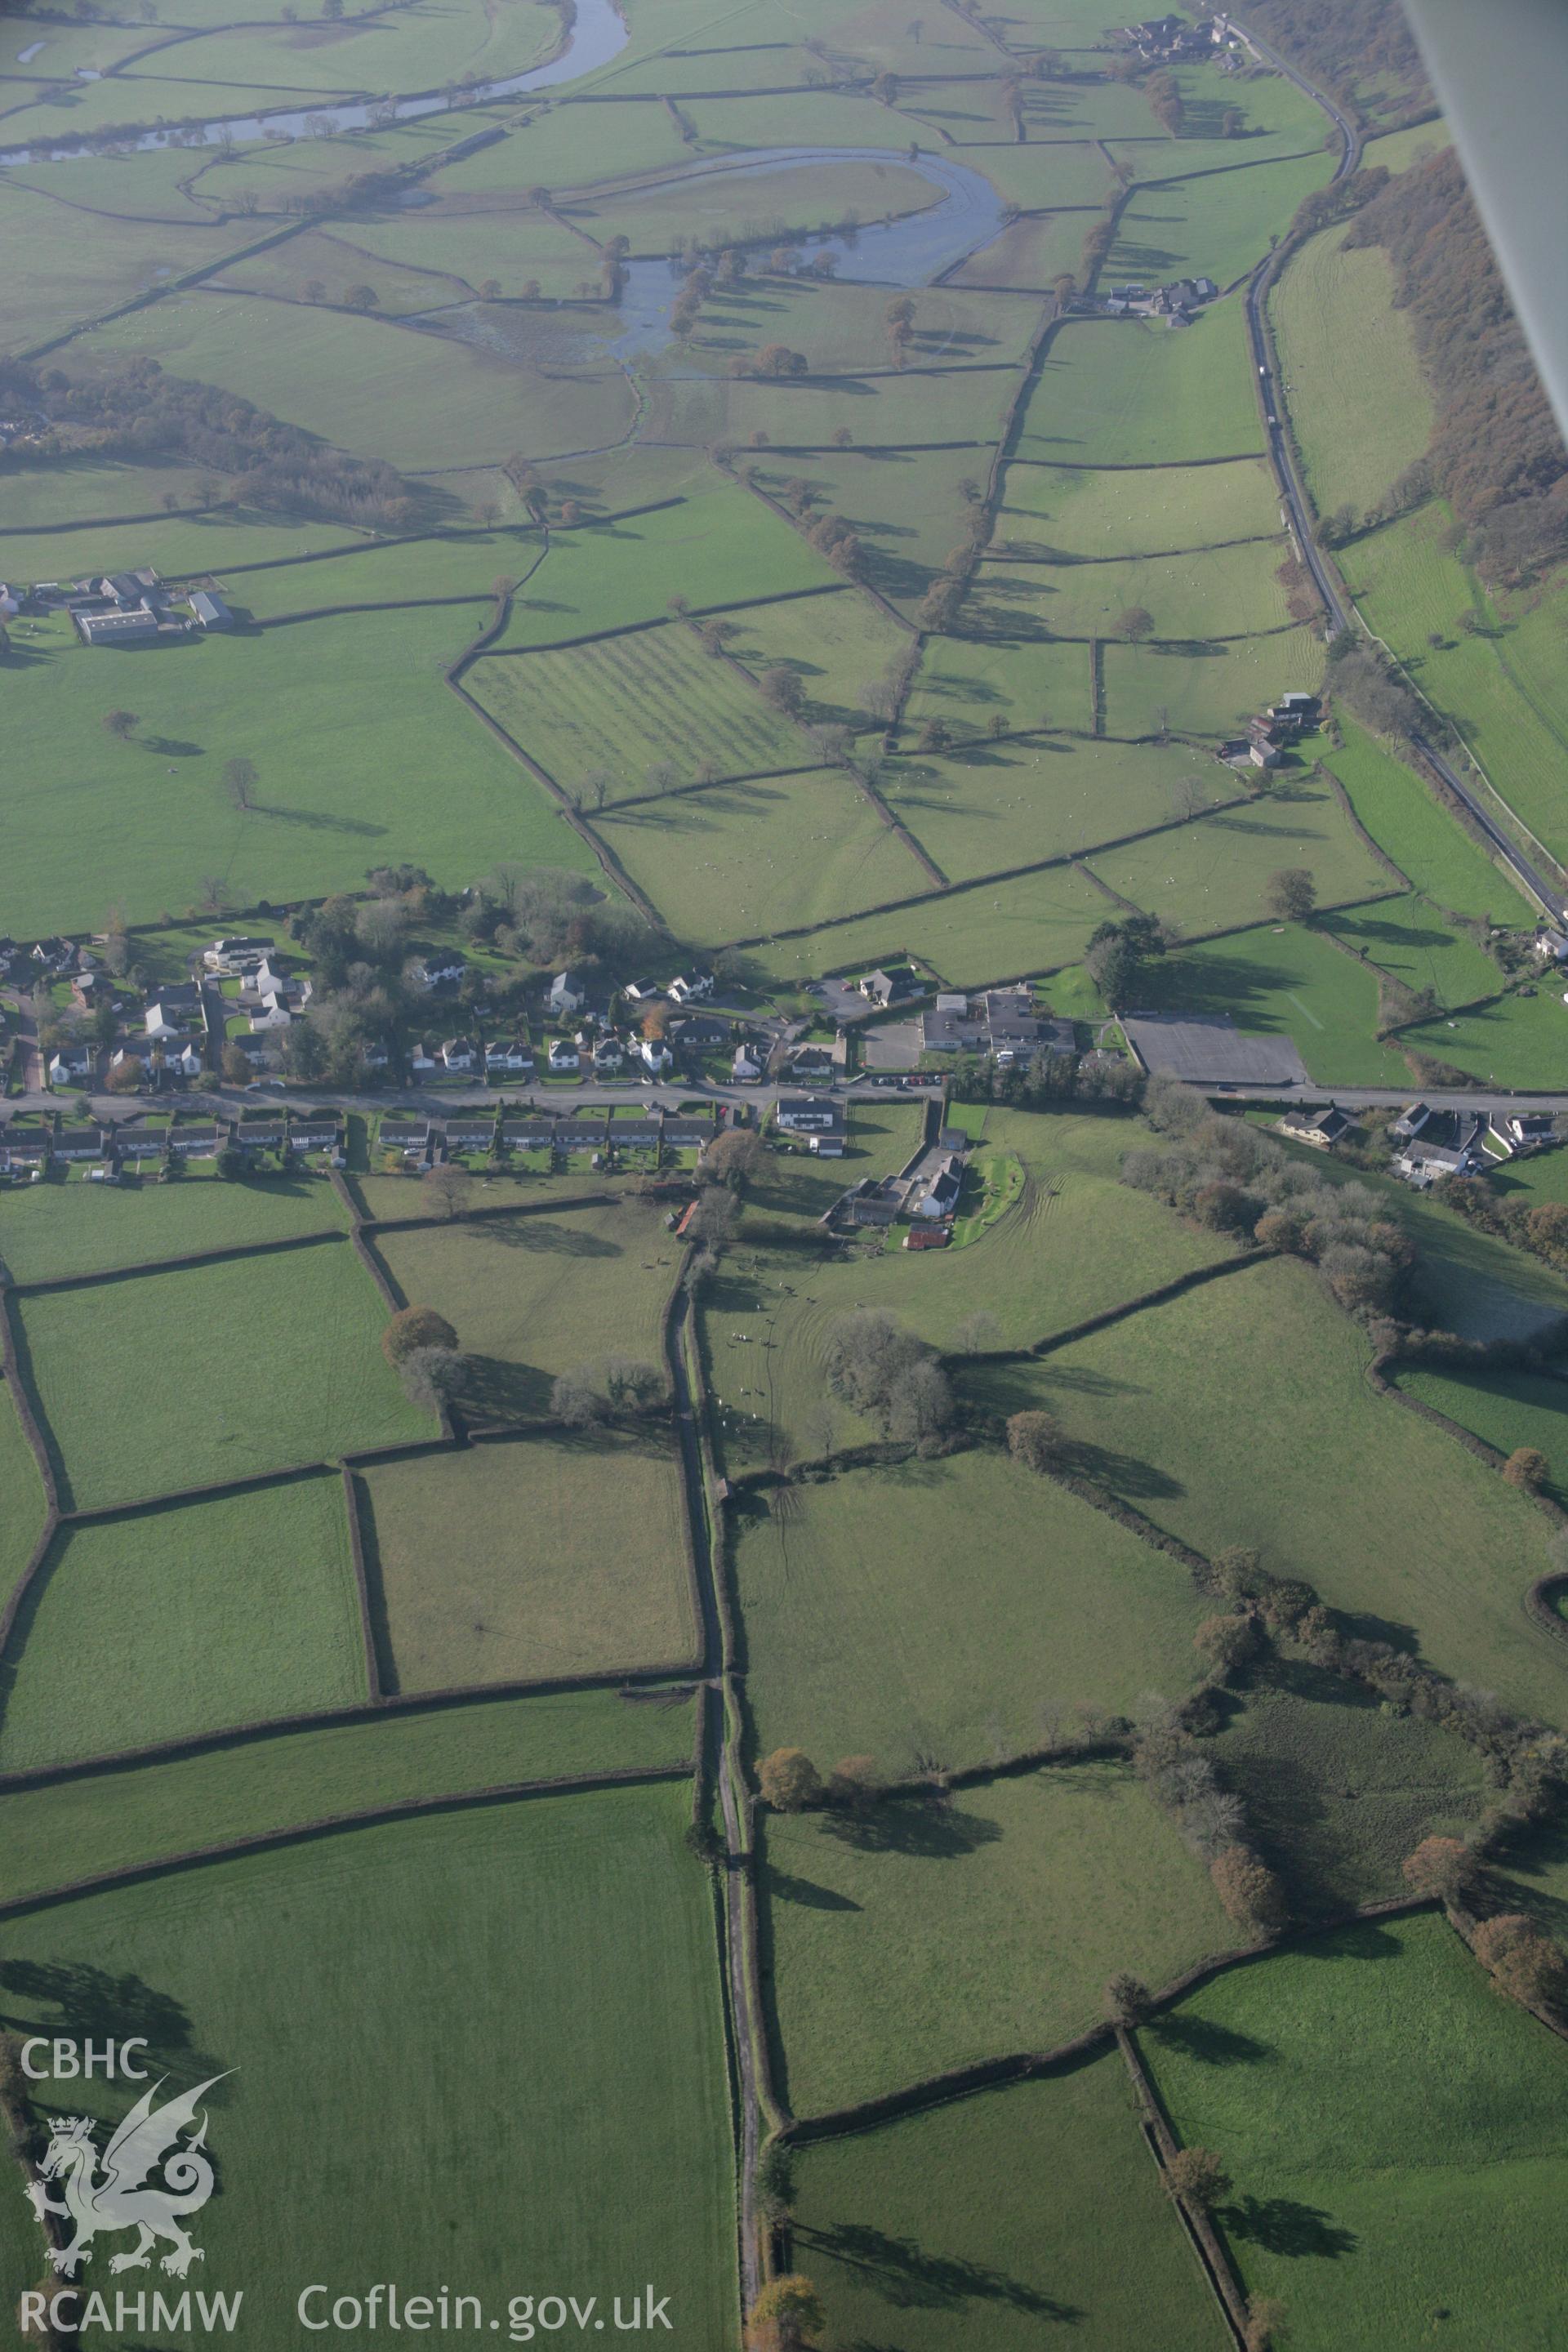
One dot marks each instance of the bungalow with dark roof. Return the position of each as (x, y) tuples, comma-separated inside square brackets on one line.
[(1321, 1128)]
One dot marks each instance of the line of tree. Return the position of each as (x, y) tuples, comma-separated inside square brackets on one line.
[(137, 412), (1496, 453)]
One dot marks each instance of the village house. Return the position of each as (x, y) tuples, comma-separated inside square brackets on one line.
[(886, 987), (568, 993), (411, 1137), (1321, 1128), (1551, 947), (1438, 1144), (309, 1131), (609, 1056), (746, 1063), (806, 1115), (808, 1065), (80, 1143), (70, 1064), (204, 1139), (564, 1056), (655, 1057), (690, 987), (173, 1010), (458, 1053), (508, 1054), (23, 1150), (442, 968), (475, 1134), (1511, 1133), (643, 992)]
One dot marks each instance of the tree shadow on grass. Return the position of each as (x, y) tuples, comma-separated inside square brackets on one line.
[(92, 2005), (1210, 2043), (908, 2277), (932, 1828), (494, 1390), (1283, 2225), (536, 1233), (785, 1888)]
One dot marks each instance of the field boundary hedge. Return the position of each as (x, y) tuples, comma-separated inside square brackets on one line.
[(181, 1264), (336, 1824)]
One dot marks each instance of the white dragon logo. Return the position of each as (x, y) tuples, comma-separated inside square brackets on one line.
[(117, 2198)]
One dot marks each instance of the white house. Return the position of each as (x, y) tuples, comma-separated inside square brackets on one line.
[(690, 987), (458, 1054), (655, 1057), (509, 1054), (567, 993), (746, 1064), (70, 1065), (563, 1054), (609, 1053), (440, 969), (169, 1016)]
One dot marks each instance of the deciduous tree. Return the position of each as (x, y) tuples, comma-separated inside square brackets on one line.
[(789, 1780), (416, 1327)]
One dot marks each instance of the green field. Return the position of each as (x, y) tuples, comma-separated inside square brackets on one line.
[(1502, 686), (954, 1931), (1285, 980), (1358, 399), (1216, 226), (22, 1518), (1510, 1044), (907, 506), (967, 682), (248, 1397), (1115, 392), (1401, 815), (1508, 1409), (1030, 252), (553, 1917), (74, 1828), (1221, 591), (711, 547), (749, 858), (1205, 689), (571, 1561), (878, 1625), (1408, 937), (1052, 511), (1339, 1788), (1037, 923), (1213, 874), (185, 1620), (1393, 2131), (531, 1296), (348, 723), (836, 645), (57, 1229), (372, 386), (1220, 1410), (1012, 2214), (620, 707), (992, 805)]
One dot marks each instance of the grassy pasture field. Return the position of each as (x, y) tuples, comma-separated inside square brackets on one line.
[(1393, 2131), (75, 1828), (1358, 398), (713, 546), (1403, 818), (1205, 689), (907, 507), (572, 1561), (86, 490), (1218, 591), (1408, 937), (1152, 511), (882, 411), (185, 1620), (1114, 392), (1509, 1043), (843, 328), (1032, 252), (373, 387), (1397, 150), (1045, 175), (729, 207), (1222, 1408), (1506, 1408), (530, 1297), (245, 1396), (990, 805), (969, 681), (57, 1228), (410, 49), (465, 243), (182, 547), (751, 859), (459, 562), (630, 702), (553, 1917), (347, 721), (875, 1625), (837, 647), (1285, 980), (1339, 1788), (1037, 922), (1001, 2213), (1214, 873), (885, 1969), (1216, 226), (1501, 686)]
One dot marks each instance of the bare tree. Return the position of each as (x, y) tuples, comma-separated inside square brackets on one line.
[(239, 781), (121, 724), (447, 1189)]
